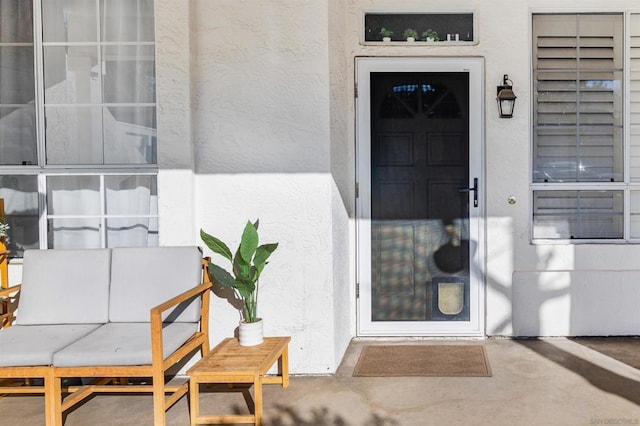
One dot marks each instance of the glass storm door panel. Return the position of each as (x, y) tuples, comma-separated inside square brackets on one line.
[(419, 173)]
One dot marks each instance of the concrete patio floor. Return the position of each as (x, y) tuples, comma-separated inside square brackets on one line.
[(534, 382)]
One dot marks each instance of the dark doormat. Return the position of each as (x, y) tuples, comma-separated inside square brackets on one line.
[(423, 360)]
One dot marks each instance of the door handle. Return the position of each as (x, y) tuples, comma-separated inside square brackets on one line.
[(475, 191)]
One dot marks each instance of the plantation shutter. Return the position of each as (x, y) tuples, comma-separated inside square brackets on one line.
[(634, 122), (578, 62), (578, 125), (634, 73)]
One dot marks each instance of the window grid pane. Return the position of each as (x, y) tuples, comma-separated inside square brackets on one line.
[(20, 194), (578, 214), (110, 76), (18, 144), (87, 211)]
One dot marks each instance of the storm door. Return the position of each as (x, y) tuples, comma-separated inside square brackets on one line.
[(419, 201)]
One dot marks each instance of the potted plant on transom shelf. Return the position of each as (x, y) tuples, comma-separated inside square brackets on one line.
[(246, 267), (430, 35), (386, 34), (410, 34)]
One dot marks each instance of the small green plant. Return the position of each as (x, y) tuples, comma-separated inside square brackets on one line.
[(247, 265), (385, 33), (430, 35), (410, 32)]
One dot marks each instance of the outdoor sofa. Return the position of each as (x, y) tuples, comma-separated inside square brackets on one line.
[(104, 316)]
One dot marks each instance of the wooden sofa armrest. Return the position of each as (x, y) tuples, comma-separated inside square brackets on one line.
[(6, 292), (7, 305), (157, 311), (156, 319)]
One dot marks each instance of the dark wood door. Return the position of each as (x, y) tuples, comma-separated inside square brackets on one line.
[(419, 162)]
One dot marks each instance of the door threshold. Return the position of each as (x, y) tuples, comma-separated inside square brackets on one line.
[(416, 338)]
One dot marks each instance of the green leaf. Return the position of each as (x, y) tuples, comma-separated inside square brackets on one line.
[(215, 245), (262, 254), (221, 276), (245, 288), (249, 242), (256, 223), (241, 268)]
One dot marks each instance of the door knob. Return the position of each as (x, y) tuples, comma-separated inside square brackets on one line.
[(475, 191)]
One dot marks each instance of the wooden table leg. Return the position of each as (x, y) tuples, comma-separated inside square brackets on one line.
[(194, 400), (283, 366), (257, 399)]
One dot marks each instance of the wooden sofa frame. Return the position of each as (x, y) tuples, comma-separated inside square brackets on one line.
[(113, 378)]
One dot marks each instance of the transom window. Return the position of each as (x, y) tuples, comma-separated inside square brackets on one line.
[(78, 123), (586, 171)]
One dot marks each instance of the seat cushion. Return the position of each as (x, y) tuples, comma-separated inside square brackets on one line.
[(144, 277), (122, 344), (64, 287), (33, 345)]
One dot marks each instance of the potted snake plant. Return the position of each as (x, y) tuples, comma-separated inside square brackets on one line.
[(246, 267)]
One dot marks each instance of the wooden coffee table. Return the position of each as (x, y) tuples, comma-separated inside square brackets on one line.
[(231, 363)]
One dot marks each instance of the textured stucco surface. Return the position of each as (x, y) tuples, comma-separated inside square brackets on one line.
[(256, 119), (503, 39), (296, 288), (262, 98), (260, 114)]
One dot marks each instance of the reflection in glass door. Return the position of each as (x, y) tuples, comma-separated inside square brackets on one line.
[(420, 175)]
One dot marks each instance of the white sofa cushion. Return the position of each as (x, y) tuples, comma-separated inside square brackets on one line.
[(142, 278), (122, 344), (31, 345), (64, 287)]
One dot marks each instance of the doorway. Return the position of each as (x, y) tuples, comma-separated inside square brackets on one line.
[(419, 154)]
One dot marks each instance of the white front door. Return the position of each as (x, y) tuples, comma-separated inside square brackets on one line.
[(420, 202)]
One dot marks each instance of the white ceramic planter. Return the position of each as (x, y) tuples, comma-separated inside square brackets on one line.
[(250, 333)]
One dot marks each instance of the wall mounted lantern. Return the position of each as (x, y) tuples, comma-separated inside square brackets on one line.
[(506, 98)]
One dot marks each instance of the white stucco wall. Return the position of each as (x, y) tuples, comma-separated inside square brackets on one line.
[(513, 264), (260, 112), (256, 120), (296, 287), (342, 164)]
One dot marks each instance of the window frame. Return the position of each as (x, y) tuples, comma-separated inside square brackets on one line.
[(42, 170), (626, 185)]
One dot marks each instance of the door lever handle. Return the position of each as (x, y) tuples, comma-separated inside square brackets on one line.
[(475, 191)]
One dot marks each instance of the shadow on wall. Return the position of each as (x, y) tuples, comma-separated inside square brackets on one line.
[(502, 252), (576, 303)]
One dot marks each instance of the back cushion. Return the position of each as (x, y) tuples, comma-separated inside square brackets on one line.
[(144, 277), (64, 287)]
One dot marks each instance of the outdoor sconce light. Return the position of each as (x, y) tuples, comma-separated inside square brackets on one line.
[(506, 98)]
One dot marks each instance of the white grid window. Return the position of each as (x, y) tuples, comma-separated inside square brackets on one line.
[(78, 123)]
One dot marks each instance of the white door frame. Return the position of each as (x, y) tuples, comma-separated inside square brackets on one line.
[(364, 67)]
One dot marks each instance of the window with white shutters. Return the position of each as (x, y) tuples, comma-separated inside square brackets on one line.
[(578, 98), (585, 175)]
